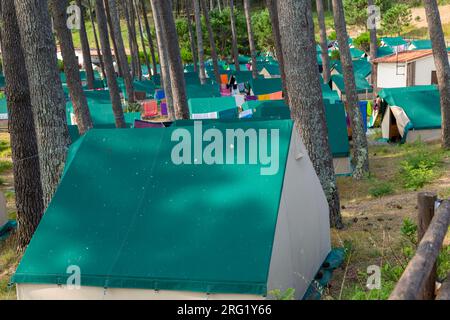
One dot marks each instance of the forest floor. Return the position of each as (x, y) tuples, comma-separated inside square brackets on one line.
[(379, 213)]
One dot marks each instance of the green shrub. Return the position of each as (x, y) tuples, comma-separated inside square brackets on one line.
[(133, 107), (380, 189), (5, 165), (418, 169)]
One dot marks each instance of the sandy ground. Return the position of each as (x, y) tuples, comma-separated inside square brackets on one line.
[(420, 12)]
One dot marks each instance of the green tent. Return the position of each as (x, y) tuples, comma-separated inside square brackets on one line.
[(2, 81), (130, 218), (356, 53), (414, 108), (394, 41), (272, 69), (421, 44), (362, 85), (384, 51), (3, 109), (224, 107), (203, 91), (244, 59), (266, 86), (243, 76)]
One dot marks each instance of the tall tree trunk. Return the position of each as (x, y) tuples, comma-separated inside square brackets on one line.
[(164, 9), (132, 34), (149, 36), (112, 36), (273, 10), (109, 67), (234, 41), (212, 42), (191, 34), (121, 55), (24, 146), (46, 92), (323, 42), (305, 94), (373, 51), (131, 45), (141, 33), (163, 54), (251, 38), (87, 61), (360, 150), (97, 45), (79, 101), (201, 49), (442, 65)]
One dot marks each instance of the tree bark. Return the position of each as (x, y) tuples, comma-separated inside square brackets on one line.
[(131, 23), (191, 35), (112, 36), (87, 61), (251, 38), (109, 67), (163, 54), (79, 101), (97, 45), (24, 147), (360, 150), (121, 55), (373, 51), (212, 42), (149, 36), (305, 94), (46, 92), (273, 10), (141, 33), (201, 49), (442, 65), (164, 9), (323, 42), (234, 37)]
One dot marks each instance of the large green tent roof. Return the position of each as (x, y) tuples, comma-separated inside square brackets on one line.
[(394, 41), (266, 86), (208, 105), (202, 91), (384, 51), (422, 44), (420, 103), (130, 218)]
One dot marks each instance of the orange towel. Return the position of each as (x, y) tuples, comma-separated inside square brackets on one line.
[(224, 78), (277, 96), (150, 108)]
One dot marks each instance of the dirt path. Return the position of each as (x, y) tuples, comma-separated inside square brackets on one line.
[(420, 12)]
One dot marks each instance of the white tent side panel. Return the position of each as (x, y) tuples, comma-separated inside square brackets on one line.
[(55, 292), (302, 236)]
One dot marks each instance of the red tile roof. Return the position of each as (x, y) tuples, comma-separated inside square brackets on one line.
[(405, 56)]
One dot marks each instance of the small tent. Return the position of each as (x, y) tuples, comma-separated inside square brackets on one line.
[(135, 225), (203, 91), (266, 86), (213, 108), (363, 87), (411, 113), (420, 45)]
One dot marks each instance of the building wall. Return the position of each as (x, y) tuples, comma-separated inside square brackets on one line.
[(391, 76)]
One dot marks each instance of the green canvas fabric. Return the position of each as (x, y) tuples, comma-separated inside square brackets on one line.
[(361, 67), (203, 91), (356, 53), (384, 51), (3, 106), (420, 103), (244, 59), (73, 133), (362, 85), (208, 105), (243, 76), (98, 96), (273, 69), (2, 81), (266, 86), (421, 44), (243, 67), (394, 41), (121, 214)]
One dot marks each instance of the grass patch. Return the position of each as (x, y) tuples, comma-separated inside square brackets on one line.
[(381, 189), (5, 166)]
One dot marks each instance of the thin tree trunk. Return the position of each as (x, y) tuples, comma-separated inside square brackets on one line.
[(164, 9), (121, 55), (109, 67), (373, 51), (87, 61), (191, 34), (149, 36), (97, 45), (305, 94), (212, 42), (126, 11), (79, 101), (201, 50), (112, 36), (163, 54), (273, 10), (134, 45), (24, 146), (360, 150), (323, 42), (442, 65), (251, 38), (141, 33), (46, 92), (234, 41)]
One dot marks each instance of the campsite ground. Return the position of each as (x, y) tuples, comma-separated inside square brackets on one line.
[(379, 214)]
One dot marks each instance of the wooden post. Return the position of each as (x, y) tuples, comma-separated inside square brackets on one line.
[(426, 203)]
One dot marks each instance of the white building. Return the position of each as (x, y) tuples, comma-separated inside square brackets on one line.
[(406, 69)]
